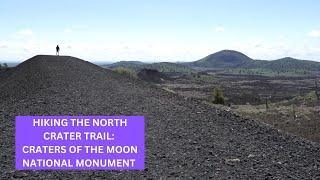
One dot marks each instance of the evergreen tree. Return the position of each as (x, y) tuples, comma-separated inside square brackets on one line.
[(218, 96)]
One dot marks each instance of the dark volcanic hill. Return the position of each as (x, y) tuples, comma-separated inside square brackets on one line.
[(224, 58), (235, 59), (291, 63), (184, 137), (151, 75)]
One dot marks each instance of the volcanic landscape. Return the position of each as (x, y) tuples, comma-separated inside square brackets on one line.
[(184, 138)]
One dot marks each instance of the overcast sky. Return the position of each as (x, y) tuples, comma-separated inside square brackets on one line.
[(166, 30)]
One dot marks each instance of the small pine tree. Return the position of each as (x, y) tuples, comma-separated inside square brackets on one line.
[(5, 65), (218, 96)]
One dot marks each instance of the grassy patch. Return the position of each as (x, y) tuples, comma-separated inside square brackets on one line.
[(125, 71)]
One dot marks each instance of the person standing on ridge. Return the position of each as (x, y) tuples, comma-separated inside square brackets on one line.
[(58, 49)]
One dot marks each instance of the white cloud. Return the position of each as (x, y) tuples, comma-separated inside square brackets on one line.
[(219, 29), (271, 50), (3, 45), (22, 47), (316, 49), (31, 46), (25, 32), (315, 33), (256, 43), (67, 31)]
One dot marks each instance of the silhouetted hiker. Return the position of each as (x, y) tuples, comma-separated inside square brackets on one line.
[(58, 49)]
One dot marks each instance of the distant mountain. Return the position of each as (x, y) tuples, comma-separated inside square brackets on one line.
[(234, 59), (223, 59), (291, 63), (128, 64), (229, 59), (10, 63), (164, 67)]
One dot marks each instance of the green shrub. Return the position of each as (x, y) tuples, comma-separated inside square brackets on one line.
[(125, 71), (4, 65), (218, 97)]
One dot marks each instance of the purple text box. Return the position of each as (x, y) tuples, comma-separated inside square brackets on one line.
[(79, 142)]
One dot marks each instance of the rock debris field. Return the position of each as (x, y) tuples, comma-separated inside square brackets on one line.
[(184, 138)]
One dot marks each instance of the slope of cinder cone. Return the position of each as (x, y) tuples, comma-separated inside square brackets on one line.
[(46, 71), (184, 138)]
